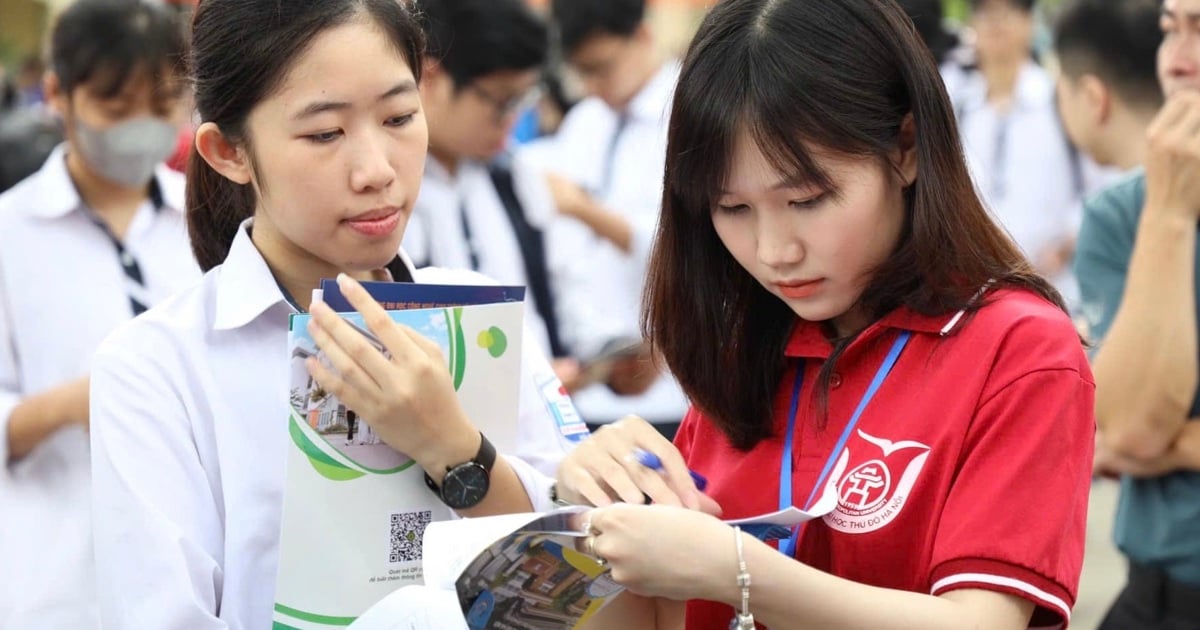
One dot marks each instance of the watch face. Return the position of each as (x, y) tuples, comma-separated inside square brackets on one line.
[(465, 486)]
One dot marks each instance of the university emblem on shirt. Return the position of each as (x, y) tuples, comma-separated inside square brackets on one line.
[(877, 483)]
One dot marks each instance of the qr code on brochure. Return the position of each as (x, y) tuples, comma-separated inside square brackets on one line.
[(408, 529)]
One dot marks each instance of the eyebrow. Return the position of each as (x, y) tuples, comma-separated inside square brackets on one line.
[(320, 107), (1192, 16), (794, 182)]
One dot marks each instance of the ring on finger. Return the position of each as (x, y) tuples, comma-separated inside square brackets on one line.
[(591, 550)]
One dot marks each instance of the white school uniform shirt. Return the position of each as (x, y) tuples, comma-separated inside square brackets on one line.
[(189, 446), (599, 286), (62, 290), (435, 234), (1021, 163), (1019, 159), (602, 285)]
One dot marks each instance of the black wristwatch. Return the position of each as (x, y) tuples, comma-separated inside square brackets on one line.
[(466, 484)]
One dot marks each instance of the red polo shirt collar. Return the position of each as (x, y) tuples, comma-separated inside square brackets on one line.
[(807, 339)]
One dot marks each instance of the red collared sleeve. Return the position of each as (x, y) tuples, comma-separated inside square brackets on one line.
[(1015, 519)]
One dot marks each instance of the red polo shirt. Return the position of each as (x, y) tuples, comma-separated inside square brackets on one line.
[(970, 468)]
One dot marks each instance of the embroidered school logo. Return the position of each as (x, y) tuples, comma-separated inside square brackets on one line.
[(874, 491), (865, 487)]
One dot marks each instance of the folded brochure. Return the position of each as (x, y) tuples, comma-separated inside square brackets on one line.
[(354, 509), (521, 571)]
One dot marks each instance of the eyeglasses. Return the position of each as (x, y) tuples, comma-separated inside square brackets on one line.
[(503, 108)]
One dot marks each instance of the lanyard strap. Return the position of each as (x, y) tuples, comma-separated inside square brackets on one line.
[(788, 546)]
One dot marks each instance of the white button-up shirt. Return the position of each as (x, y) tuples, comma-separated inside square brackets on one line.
[(435, 233), (602, 286), (599, 286), (189, 443), (1020, 159), (62, 290), (1022, 164)]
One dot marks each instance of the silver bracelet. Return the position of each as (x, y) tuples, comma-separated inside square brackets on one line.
[(745, 619)]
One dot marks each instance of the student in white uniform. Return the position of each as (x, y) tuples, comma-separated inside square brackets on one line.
[(476, 211), (612, 149), (1031, 177), (86, 243), (307, 164)]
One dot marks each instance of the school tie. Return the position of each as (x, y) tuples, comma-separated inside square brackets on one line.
[(610, 157), (468, 237), (135, 282)]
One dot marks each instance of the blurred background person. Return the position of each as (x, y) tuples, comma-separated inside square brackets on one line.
[(29, 82), (556, 101), (1029, 174), (8, 91), (89, 241), (1138, 270), (27, 137), (609, 163), (477, 209), (1107, 87)]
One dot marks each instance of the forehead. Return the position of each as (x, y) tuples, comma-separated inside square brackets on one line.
[(982, 6), (510, 80), (162, 83), (332, 65), (752, 170), (1182, 8), (598, 48)]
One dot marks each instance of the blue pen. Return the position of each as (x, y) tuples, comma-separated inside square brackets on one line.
[(652, 461)]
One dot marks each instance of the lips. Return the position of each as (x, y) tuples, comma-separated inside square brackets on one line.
[(375, 215), (379, 222), (798, 289)]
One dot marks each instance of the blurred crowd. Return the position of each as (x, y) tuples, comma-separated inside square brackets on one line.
[(547, 143)]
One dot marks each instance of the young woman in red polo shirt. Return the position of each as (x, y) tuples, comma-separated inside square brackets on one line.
[(850, 324)]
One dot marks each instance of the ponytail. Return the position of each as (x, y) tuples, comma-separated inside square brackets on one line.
[(216, 206)]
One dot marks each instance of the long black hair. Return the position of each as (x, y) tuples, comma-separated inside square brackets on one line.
[(842, 76), (241, 51)]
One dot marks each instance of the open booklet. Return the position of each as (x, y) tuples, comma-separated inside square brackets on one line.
[(354, 509), (524, 572)]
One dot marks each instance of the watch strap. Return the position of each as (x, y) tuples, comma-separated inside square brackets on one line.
[(486, 457)]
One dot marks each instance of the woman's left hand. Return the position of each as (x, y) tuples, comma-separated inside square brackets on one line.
[(664, 551), (408, 397)]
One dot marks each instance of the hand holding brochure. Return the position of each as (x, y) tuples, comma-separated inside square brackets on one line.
[(355, 509), (526, 571)]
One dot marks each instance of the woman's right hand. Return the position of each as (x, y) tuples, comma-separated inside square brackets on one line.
[(604, 469), (407, 396)]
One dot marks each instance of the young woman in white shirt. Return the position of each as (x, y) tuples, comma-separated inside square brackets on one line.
[(87, 242), (306, 166)]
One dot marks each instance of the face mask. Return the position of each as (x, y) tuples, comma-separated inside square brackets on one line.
[(127, 153)]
